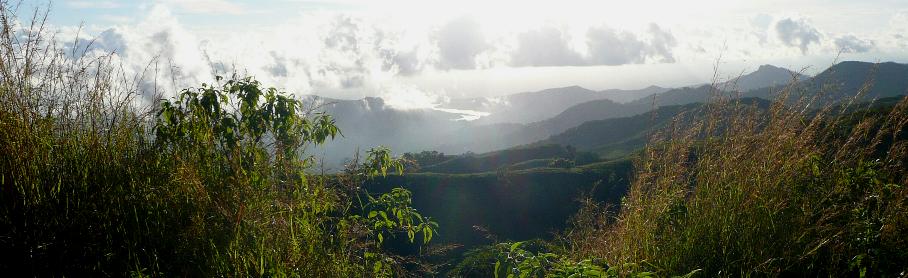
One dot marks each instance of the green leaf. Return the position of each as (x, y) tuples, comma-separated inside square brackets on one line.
[(515, 246), (497, 268)]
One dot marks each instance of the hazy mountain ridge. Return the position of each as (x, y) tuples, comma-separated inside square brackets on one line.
[(889, 79), (619, 136), (845, 79), (370, 122), (574, 116), (536, 106), (848, 76)]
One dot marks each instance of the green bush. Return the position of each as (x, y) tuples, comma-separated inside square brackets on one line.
[(213, 182), (742, 190)]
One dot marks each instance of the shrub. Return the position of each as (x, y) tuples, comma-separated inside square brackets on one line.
[(214, 182), (788, 190)]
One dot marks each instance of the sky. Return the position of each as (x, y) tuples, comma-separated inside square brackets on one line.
[(422, 53)]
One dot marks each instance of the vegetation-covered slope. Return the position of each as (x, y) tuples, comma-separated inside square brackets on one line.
[(738, 190), (470, 163), (620, 136)]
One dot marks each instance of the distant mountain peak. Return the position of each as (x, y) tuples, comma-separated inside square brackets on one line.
[(769, 67), (765, 76), (573, 88), (653, 87)]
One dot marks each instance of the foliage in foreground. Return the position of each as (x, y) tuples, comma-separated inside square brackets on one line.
[(214, 182), (740, 189), (788, 190)]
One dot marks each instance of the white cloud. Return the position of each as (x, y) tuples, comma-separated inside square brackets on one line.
[(898, 25), (408, 97), (545, 47), (351, 54), (852, 44), (459, 42), (796, 32), (551, 46), (610, 47), (661, 44), (337, 54), (157, 50)]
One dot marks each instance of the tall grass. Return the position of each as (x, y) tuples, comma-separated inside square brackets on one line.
[(801, 187), (95, 182)]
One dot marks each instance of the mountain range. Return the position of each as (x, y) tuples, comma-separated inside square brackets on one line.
[(530, 117), (531, 107)]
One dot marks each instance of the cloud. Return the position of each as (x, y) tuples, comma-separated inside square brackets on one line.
[(343, 55), (344, 62), (459, 41), (207, 6), (404, 62), (279, 66), (550, 46), (759, 24), (321, 52), (545, 47), (350, 55), (898, 25), (852, 44), (400, 55), (609, 47), (408, 97), (661, 44), (156, 52), (109, 41), (796, 33), (900, 40)]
